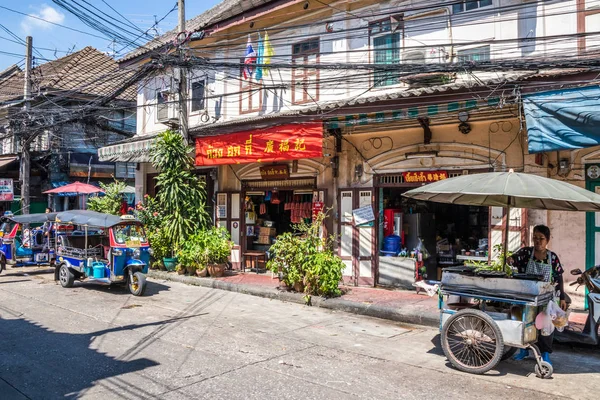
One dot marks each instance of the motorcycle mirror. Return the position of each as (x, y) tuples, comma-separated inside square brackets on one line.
[(576, 271)]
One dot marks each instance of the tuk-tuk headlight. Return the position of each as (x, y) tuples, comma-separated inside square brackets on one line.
[(137, 253), (117, 252), (151, 251)]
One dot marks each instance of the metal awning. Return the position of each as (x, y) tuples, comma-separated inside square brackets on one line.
[(135, 149), (4, 161)]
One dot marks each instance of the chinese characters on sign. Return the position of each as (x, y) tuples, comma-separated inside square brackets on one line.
[(6, 190), (424, 176), (283, 142), (274, 172)]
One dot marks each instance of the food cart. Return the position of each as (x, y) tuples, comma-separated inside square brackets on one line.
[(498, 319), (485, 317)]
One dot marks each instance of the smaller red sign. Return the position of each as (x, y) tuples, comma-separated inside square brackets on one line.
[(318, 207), (424, 176), (274, 172)]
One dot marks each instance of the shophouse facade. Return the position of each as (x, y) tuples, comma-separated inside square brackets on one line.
[(343, 136)]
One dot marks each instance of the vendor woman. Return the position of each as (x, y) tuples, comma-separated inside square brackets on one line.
[(539, 260)]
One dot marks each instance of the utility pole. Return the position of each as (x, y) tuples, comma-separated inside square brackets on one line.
[(183, 89), (25, 156)]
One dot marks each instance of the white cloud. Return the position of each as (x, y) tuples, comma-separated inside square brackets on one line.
[(46, 13)]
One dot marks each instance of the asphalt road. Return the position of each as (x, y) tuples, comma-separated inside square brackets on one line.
[(184, 342)]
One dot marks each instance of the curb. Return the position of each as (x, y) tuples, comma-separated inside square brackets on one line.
[(338, 304)]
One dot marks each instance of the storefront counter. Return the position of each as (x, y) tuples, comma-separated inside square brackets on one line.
[(397, 271)]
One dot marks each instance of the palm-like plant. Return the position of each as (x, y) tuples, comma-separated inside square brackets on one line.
[(181, 194)]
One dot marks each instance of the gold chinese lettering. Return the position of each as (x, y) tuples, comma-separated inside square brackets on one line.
[(214, 153), (429, 177), (436, 177), (284, 145), (299, 145), (269, 146)]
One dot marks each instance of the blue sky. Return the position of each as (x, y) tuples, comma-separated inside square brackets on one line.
[(47, 37)]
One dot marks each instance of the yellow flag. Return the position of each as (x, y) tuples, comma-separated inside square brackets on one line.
[(269, 52)]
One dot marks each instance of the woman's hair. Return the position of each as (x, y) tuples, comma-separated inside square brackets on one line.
[(48, 209), (543, 229)]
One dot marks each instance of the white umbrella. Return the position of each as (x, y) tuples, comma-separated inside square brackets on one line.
[(508, 189)]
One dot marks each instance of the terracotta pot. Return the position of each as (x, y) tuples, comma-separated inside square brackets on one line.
[(216, 270), (203, 273), (190, 270), (181, 271)]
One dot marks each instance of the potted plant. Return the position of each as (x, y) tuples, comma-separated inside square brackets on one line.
[(216, 251), (306, 262)]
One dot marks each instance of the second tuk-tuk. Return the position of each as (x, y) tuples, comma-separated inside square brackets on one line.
[(101, 248), (27, 240)]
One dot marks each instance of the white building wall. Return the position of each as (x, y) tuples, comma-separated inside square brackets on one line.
[(438, 33)]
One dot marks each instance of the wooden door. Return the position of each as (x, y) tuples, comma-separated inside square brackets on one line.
[(357, 243)]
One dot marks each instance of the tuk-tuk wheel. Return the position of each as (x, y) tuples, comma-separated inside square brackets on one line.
[(2, 264), (544, 370), (137, 284), (66, 277)]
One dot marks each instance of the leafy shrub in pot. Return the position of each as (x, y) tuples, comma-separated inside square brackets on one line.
[(306, 260)]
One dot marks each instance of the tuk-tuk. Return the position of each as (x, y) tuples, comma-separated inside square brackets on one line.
[(27, 240), (101, 248)]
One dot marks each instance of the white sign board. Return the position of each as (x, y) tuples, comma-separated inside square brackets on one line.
[(6, 190), (363, 215)]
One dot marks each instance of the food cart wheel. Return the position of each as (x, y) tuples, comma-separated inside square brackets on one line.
[(65, 276), (137, 284), (544, 370), (472, 341)]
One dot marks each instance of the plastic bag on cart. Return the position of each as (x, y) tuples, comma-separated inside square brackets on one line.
[(560, 318), (543, 322)]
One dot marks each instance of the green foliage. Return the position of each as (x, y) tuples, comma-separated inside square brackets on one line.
[(497, 264), (110, 202), (160, 242), (181, 194), (304, 257), (149, 213), (208, 246)]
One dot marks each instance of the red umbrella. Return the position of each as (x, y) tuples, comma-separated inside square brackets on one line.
[(75, 187)]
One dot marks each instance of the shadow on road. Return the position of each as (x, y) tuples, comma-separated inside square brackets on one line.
[(40, 363), (152, 288)]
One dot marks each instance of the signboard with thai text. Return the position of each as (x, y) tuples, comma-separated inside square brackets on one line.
[(274, 172), (424, 176), (283, 142), (6, 190), (363, 215)]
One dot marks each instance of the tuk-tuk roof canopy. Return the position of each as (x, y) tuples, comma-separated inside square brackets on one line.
[(91, 218), (39, 218)]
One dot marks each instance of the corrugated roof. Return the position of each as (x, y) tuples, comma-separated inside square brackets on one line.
[(223, 10), (87, 71), (389, 95)]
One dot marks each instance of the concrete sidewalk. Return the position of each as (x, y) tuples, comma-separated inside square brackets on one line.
[(393, 304)]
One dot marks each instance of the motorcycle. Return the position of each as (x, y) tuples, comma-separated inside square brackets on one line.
[(589, 335)]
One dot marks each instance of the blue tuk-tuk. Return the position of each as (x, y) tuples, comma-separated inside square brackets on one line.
[(101, 248), (27, 240)]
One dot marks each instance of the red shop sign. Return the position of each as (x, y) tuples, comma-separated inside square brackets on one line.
[(278, 143), (424, 176)]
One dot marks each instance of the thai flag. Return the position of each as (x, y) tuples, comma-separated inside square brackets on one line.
[(249, 60)]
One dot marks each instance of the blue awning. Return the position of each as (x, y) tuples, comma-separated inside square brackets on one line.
[(563, 119)]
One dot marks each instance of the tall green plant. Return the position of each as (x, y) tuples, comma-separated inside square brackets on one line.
[(181, 194), (110, 202)]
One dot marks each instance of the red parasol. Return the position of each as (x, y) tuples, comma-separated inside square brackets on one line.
[(75, 187)]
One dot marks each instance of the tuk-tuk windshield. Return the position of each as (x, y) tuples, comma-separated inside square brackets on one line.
[(125, 234)]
